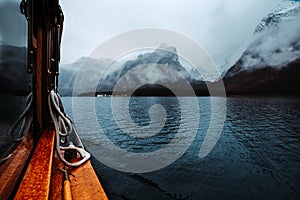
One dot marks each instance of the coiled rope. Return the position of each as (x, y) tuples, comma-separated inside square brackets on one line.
[(26, 119), (63, 128)]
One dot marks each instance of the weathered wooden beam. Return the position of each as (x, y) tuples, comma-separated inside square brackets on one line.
[(12, 169), (85, 184), (36, 181)]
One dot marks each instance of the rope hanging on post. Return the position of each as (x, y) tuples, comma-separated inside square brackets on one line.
[(25, 119), (63, 128)]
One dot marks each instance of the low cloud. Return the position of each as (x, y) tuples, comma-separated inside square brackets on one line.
[(275, 46), (223, 28)]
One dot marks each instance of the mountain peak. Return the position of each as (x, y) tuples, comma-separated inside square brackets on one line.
[(286, 10), (164, 46), (270, 64), (276, 42)]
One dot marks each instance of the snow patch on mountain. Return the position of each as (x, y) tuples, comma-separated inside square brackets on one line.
[(153, 65), (285, 11), (104, 73), (276, 41)]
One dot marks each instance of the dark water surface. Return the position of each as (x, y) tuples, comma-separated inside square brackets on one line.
[(256, 157)]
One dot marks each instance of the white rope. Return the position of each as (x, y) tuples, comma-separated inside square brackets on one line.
[(26, 118), (63, 128), (60, 120)]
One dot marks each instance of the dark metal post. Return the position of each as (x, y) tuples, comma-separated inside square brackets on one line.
[(45, 21)]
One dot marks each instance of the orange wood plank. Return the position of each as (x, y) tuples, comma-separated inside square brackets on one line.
[(36, 181), (56, 180), (42, 180), (11, 170), (84, 186)]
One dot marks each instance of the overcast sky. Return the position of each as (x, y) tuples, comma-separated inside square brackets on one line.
[(12, 23), (218, 25), (222, 27)]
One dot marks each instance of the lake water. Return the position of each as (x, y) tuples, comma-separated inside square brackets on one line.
[(256, 157)]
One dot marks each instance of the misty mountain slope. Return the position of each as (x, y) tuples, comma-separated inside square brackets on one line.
[(14, 78), (106, 73), (271, 62), (285, 11), (150, 71), (267, 80), (163, 55), (85, 71), (66, 78)]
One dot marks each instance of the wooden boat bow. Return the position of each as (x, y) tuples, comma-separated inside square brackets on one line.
[(32, 170)]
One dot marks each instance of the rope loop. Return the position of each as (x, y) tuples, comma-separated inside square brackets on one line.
[(64, 128), (25, 119)]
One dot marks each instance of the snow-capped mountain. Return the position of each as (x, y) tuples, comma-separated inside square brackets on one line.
[(151, 70), (107, 72), (285, 11), (276, 40), (271, 56)]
